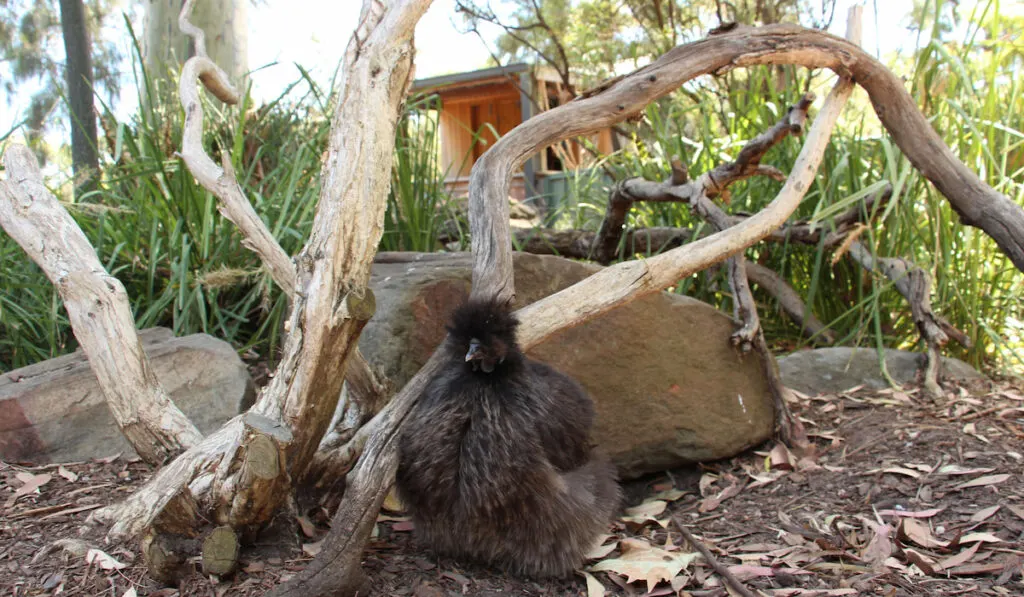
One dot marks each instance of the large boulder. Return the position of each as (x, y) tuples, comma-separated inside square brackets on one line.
[(55, 411), (834, 369), (668, 387)]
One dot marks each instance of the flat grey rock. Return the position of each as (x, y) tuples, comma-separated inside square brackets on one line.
[(54, 411), (667, 385), (835, 369)]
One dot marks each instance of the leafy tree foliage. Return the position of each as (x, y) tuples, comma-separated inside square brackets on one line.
[(32, 58)]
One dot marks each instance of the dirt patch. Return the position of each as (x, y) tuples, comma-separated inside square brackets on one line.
[(903, 496)]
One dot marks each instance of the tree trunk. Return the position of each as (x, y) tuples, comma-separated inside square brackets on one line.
[(165, 47), (78, 73)]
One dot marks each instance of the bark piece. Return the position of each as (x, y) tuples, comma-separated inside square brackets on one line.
[(263, 481), (220, 551)]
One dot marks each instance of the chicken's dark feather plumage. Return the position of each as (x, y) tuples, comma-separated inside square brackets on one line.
[(483, 319), (497, 466)]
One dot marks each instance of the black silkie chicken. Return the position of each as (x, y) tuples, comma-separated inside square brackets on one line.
[(495, 461)]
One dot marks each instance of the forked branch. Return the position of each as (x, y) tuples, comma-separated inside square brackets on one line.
[(98, 310)]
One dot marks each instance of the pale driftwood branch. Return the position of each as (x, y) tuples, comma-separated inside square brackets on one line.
[(977, 203), (333, 299), (221, 182), (98, 310), (575, 244), (334, 271)]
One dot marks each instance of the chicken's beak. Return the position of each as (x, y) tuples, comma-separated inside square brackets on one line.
[(475, 351)]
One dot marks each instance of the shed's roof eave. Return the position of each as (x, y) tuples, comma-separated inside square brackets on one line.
[(456, 78)]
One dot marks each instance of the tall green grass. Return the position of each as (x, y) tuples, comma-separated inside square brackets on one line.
[(184, 266), (160, 233)]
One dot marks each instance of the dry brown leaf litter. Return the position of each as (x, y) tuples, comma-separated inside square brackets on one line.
[(902, 496)]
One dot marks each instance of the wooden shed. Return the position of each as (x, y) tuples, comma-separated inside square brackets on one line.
[(479, 106)]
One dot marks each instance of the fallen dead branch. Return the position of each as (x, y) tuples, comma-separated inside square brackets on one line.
[(915, 285), (722, 571)]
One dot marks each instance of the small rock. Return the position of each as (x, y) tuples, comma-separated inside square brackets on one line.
[(839, 368), (54, 411)]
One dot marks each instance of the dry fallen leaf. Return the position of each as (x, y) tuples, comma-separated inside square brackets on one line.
[(307, 526), (747, 572), (985, 514), (641, 560), (959, 559), (710, 503), (31, 484), (898, 470), (705, 483), (103, 559), (880, 547), (956, 469), (919, 533), (924, 563), (669, 495), (403, 526), (392, 503), (983, 481), (63, 472), (911, 514), (312, 549), (594, 586), (781, 458), (980, 538), (645, 512), (130, 593), (600, 549)]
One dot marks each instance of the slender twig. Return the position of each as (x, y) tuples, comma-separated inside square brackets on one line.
[(729, 577)]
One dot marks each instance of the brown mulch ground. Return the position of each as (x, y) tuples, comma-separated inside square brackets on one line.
[(904, 496)]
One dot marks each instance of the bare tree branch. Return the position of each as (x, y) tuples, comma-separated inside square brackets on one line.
[(98, 309), (977, 203), (221, 181)]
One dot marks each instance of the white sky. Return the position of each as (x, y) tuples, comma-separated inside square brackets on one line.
[(280, 33)]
